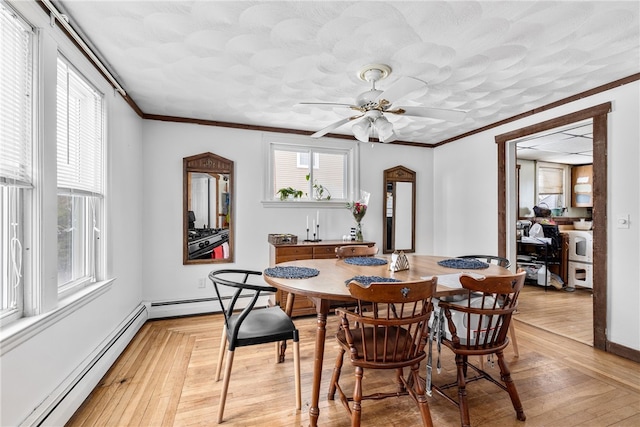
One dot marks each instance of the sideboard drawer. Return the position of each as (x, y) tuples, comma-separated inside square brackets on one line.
[(323, 252), (289, 251)]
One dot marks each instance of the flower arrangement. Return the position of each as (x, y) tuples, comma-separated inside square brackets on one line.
[(358, 210)]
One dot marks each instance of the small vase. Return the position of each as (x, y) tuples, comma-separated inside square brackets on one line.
[(359, 232)]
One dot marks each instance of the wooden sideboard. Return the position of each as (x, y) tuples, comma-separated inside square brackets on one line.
[(305, 250)]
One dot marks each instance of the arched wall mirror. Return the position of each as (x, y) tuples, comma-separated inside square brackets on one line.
[(207, 208), (399, 210)]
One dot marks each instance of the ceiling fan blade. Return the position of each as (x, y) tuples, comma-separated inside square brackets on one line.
[(333, 126), (434, 113), (326, 104), (400, 88)]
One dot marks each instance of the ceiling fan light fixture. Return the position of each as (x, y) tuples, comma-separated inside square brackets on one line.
[(390, 138), (362, 129), (384, 128)]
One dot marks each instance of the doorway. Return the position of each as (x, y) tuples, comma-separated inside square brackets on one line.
[(507, 206), (547, 165)]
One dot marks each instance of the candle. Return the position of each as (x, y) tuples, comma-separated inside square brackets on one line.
[(318, 218), (307, 222), (314, 225)]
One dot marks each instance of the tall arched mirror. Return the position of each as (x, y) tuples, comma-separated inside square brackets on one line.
[(207, 208), (399, 210)]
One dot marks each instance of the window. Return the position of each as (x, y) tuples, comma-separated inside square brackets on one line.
[(16, 97), (303, 160), (551, 185), (328, 177), (79, 169)]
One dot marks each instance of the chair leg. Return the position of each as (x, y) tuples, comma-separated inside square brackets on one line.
[(421, 397), (225, 385), (399, 382), (296, 367), (462, 391), (356, 413), (505, 375), (514, 342), (223, 347), (336, 374)]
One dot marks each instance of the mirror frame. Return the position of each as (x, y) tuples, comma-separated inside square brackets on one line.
[(211, 164), (394, 175)]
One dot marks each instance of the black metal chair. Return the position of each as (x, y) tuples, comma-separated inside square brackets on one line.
[(490, 259), (245, 326)]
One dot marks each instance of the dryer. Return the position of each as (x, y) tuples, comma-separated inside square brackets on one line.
[(580, 259)]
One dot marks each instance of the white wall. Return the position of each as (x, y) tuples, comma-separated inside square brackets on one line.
[(466, 201), (166, 144)]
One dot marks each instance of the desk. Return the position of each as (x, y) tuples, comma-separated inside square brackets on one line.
[(330, 285)]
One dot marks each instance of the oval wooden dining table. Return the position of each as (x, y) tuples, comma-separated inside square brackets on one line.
[(330, 286)]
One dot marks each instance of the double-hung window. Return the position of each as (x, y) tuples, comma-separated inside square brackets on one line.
[(80, 171), (16, 105)]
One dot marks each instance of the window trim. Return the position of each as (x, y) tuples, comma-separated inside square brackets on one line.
[(352, 168)]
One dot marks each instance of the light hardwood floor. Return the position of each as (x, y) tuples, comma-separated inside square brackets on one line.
[(165, 378), (569, 314)]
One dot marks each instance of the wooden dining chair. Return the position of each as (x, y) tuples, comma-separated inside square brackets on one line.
[(502, 262), (390, 334), (356, 250), (478, 327), (245, 326)]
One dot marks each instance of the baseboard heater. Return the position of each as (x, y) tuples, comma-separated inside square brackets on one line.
[(62, 403), (189, 307)]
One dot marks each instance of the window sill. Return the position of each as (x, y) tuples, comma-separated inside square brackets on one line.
[(16, 333), (304, 203)]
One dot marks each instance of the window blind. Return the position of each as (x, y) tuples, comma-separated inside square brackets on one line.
[(550, 180), (15, 99), (79, 133)]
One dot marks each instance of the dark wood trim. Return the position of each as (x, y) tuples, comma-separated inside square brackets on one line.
[(599, 115), (204, 122), (600, 230), (622, 351)]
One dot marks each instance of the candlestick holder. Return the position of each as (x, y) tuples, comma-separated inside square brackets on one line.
[(316, 235)]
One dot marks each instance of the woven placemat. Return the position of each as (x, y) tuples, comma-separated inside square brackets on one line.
[(470, 263), (282, 272), (367, 280), (365, 260)]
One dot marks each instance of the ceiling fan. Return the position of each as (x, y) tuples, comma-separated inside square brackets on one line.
[(374, 104)]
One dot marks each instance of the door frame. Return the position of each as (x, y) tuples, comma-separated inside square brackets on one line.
[(506, 213)]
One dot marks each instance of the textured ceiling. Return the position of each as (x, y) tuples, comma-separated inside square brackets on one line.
[(251, 62), (572, 145)]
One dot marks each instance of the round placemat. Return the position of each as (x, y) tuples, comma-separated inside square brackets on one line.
[(367, 280), (365, 260), (282, 272), (470, 263)]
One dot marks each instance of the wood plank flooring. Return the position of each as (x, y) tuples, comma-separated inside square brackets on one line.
[(569, 314), (165, 378)]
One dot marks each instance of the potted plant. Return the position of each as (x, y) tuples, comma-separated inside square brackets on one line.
[(289, 193), (319, 190)]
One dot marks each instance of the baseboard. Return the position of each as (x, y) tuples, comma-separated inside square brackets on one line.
[(622, 351), (62, 403)]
